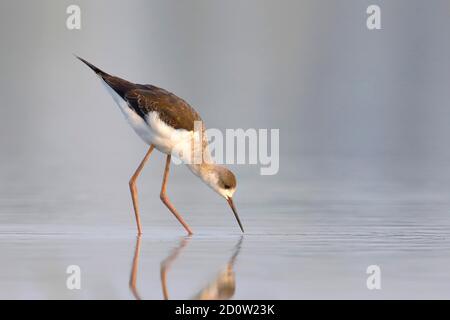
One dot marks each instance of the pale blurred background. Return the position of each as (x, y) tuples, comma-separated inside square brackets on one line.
[(364, 125)]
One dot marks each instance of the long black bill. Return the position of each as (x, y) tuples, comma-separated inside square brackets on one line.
[(230, 202)]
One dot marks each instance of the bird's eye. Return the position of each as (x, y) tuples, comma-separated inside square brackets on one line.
[(227, 187)]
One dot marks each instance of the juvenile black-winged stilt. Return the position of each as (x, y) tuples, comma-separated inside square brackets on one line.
[(167, 122)]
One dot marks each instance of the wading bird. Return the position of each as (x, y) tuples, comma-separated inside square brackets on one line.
[(167, 123)]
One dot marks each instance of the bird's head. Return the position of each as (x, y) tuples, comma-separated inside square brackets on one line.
[(223, 181)]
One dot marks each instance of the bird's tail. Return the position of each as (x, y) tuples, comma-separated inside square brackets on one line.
[(98, 71), (120, 86)]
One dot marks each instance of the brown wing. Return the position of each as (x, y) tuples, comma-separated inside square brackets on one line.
[(145, 98), (171, 109)]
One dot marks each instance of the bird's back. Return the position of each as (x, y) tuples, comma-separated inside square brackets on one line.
[(144, 99), (171, 109)]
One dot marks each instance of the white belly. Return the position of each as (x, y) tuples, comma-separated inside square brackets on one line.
[(155, 131)]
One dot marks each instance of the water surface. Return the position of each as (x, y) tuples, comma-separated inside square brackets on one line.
[(310, 234)]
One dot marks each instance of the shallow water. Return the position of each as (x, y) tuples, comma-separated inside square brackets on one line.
[(310, 233)]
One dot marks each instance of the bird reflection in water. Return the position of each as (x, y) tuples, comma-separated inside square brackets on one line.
[(221, 288)]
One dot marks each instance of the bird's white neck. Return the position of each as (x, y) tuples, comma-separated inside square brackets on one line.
[(206, 172)]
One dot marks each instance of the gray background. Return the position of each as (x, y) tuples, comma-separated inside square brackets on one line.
[(363, 118)]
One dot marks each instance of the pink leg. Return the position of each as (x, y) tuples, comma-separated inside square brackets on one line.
[(133, 188), (165, 199)]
